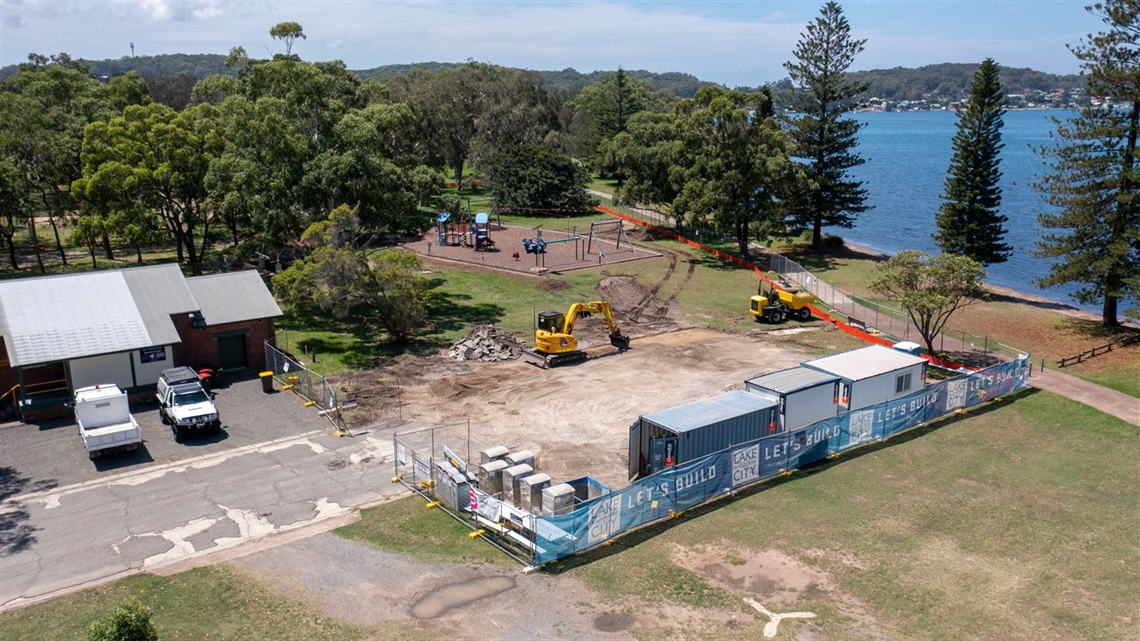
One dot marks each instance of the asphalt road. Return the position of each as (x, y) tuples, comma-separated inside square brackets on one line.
[(66, 521)]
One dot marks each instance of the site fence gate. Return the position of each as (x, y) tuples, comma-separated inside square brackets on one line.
[(308, 384)]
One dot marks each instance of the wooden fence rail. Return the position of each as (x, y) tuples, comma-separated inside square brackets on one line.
[(1100, 349)]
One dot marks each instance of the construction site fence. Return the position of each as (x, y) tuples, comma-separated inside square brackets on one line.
[(674, 490), (294, 376)]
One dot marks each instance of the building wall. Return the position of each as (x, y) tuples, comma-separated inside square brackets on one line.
[(103, 369), (199, 347)]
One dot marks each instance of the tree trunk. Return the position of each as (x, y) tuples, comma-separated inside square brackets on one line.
[(58, 242), (458, 169), (36, 244), (1108, 312), (742, 239), (91, 251), (108, 253), (817, 234), (138, 254)]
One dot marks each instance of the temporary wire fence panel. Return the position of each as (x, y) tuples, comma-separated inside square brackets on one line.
[(683, 487)]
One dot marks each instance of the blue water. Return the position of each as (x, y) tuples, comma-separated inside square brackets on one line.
[(907, 157)]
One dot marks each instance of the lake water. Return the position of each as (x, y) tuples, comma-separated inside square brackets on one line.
[(907, 157)]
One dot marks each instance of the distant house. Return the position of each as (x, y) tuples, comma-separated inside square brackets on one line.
[(60, 333)]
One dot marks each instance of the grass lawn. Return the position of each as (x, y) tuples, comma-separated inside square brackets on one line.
[(406, 527), (215, 602), (1016, 522)]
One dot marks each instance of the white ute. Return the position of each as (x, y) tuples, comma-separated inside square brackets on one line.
[(184, 404), (105, 420)]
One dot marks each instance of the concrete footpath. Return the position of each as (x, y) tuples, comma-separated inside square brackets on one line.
[(1099, 397)]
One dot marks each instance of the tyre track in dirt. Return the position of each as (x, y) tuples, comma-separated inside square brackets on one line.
[(638, 310)]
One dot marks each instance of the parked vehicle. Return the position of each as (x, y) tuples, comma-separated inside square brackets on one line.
[(105, 422), (185, 405)]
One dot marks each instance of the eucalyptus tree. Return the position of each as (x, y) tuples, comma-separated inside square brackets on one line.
[(822, 93), (1093, 180), (930, 288), (14, 207), (969, 223), (157, 159), (43, 111)]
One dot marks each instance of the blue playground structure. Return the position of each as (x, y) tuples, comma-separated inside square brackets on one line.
[(480, 232), (450, 232)]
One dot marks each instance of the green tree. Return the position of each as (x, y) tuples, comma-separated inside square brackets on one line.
[(288, 32), (340, 274), (822, 94), (1095, 234), (130, 622), (643, 157), (930, 289), (43, 111), (603, 110), (156, 159), (969, 223), (14, 205), (734, 171), (537, 176)]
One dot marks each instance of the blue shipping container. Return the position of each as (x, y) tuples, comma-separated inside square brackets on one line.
[(681, 434)]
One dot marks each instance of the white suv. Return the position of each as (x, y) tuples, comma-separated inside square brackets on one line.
[(184, 404)]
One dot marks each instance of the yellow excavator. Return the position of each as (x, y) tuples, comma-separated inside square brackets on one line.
[(554, 342)]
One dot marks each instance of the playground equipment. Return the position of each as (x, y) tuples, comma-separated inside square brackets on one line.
[(480, 232), (537, 246), (450, 232), (618, 225)]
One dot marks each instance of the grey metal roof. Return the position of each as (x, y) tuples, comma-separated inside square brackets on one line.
[(158, 292), (793, 380), (865, 362), (71, 316), (703, 413), (233, 297)]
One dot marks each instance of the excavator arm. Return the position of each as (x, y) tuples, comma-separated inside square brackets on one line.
[(617, 339)]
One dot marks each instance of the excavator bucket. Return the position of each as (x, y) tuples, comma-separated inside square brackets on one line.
[(619, 340)]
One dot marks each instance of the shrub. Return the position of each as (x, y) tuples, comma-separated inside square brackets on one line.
[(130, 622)]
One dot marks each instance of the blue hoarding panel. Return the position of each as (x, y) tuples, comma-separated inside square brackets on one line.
[(680, 488)]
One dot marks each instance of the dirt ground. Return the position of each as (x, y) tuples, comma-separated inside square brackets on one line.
[(576, 419)]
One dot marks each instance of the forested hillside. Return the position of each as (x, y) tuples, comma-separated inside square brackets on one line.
[(947, 81)]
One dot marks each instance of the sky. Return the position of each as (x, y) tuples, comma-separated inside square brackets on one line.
[(731, 42)]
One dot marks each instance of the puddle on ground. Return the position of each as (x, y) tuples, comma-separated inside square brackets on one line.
[(460, 594), (613, 622)]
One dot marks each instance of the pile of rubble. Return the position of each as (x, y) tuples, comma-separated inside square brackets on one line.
[(487, 343)]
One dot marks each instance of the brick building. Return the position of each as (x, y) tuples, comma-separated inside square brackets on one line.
[(60, 333)]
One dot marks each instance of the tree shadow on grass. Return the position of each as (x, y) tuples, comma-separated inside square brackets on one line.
[(647, 532), (368, 344), (15, 533)]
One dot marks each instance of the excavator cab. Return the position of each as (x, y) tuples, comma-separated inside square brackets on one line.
[(551, 321)]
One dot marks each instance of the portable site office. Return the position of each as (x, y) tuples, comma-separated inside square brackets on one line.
[(872, 375), (803, 395), (682, 434)]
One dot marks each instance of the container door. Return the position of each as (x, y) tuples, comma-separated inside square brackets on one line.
[(635, 452), (662, 453)]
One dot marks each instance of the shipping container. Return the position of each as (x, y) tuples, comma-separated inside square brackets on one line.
[(872, 375), (686, 433), (803, 395)]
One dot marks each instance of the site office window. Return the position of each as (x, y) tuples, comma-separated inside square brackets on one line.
[(902, 383)]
